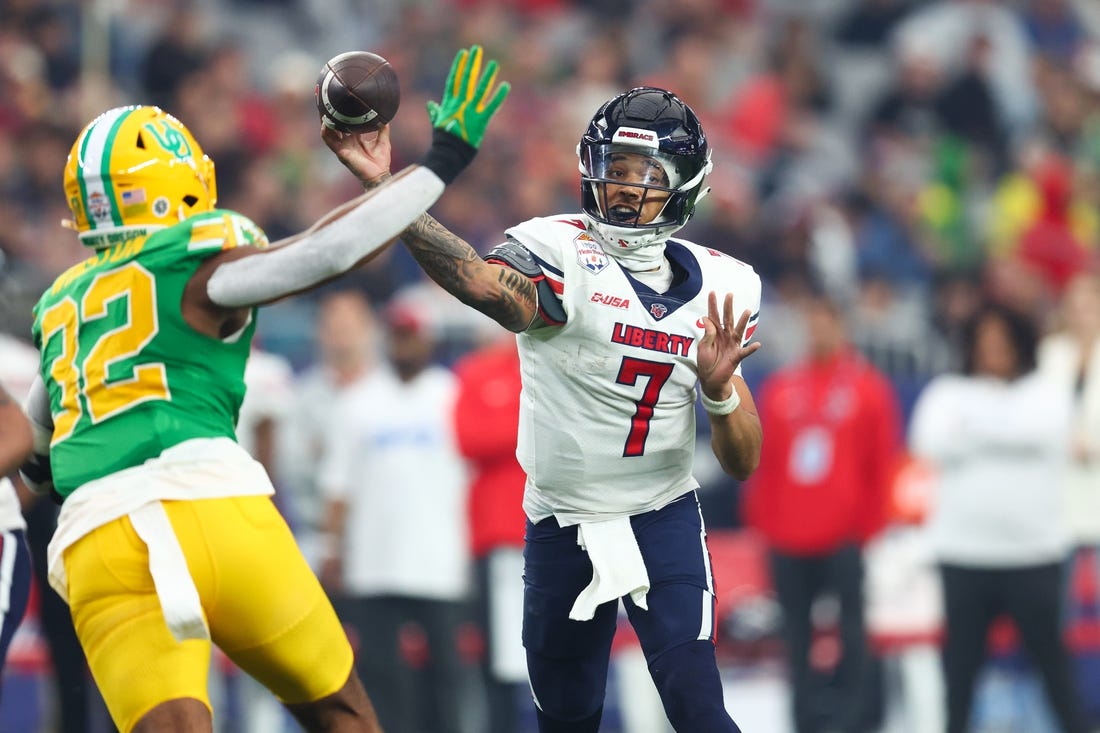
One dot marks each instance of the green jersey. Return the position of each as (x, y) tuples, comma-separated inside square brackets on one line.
[(127, 377)]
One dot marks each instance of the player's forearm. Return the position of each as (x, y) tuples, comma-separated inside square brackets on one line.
[(499, 292), (331, 247), (736, 438)]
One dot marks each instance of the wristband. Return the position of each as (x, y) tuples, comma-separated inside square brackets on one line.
[(448, 155), (720, 407)]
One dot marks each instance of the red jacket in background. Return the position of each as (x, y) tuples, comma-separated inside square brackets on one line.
[(486, 423), (832, 434)]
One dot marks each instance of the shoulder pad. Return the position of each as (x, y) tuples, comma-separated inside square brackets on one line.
[(513, 254), (516, 256)]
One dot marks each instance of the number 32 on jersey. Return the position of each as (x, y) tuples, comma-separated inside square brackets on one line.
[(81, 370)]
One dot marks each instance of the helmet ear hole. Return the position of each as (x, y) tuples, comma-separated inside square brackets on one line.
[(140, 142), (190, 200)]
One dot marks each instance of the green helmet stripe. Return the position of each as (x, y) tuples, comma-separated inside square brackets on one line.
[(80, 177), (94, 168)]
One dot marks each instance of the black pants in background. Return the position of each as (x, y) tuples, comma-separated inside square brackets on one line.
[(1032, 597), (844, 701), (502, 697), (410, 662)]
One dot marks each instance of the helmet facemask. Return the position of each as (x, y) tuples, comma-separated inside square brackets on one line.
[(622, 185)]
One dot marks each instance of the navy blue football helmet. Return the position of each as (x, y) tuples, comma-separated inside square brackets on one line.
[(659, 125)]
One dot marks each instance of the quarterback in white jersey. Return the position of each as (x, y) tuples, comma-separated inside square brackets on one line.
[(622, 346), (617, 324)]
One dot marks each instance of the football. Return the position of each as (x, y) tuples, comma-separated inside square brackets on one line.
[(357, 91)]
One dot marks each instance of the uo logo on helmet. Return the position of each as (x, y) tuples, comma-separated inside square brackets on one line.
[(170, 139)]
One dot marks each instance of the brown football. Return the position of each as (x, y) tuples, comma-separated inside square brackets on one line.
[(357, 91)]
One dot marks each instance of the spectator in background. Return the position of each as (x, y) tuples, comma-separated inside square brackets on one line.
[(1053, 28), (967, 107), (15, 445), (15, 442), (486, 427), (268, 380), (346, 343), (397, 547), (998, 437), (1070, 357), (173, 56), (947, 29), (834, 431), (1050, 248)]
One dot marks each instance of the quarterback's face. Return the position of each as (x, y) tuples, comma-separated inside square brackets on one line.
[(627, 200)]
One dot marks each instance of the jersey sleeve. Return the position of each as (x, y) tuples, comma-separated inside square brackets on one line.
[(746, 288), (752, 304), (221, 230)]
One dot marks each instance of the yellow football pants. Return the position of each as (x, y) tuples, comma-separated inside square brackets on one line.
[(263, 605)]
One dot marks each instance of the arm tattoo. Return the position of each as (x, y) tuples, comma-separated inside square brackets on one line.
[(509, 299), (376, 182)]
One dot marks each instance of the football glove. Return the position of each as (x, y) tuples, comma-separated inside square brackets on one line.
[(469, 101)]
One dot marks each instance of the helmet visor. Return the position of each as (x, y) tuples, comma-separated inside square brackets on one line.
[(630, 186), (630, 164)]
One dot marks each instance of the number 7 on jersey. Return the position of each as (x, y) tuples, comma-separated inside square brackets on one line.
[(657, 374)]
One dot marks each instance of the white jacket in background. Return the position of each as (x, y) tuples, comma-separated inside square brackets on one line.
[(1000, 450)]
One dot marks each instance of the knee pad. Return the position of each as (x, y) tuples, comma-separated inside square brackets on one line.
[(691, 689)]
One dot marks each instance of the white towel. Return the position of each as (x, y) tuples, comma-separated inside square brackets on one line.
[(179, 599), (617, 566)]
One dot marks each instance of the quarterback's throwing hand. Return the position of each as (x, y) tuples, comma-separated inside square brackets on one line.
[(366, 154), (469, 101), (720, 349)]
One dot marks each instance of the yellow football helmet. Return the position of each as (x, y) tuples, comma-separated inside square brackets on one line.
[(134, 170)]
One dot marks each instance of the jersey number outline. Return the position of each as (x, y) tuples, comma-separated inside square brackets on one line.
[(657, 374), (87, 383)]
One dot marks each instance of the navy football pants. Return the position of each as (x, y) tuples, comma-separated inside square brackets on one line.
[(15, 585), (568, 660)]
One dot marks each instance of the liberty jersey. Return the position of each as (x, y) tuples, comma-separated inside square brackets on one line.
[(607, 415), (127, 377)]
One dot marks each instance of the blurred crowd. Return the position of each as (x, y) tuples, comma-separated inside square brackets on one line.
[(905, 159), (904, 153)]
